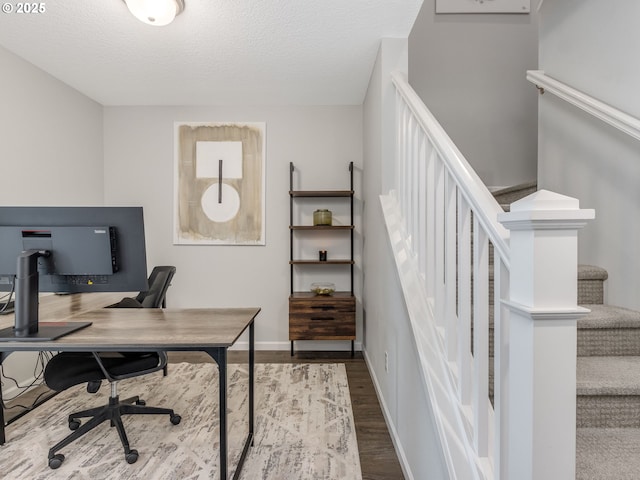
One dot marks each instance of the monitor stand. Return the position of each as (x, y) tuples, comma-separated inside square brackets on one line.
[(47, 331), (26, 326)]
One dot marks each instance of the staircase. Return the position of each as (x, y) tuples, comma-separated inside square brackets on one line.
[(608, 389), (451, 241), (608, 376)]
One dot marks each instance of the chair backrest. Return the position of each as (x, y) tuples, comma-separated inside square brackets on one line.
[(159, 282)]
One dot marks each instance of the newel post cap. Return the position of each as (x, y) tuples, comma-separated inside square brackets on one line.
[(545, 210)]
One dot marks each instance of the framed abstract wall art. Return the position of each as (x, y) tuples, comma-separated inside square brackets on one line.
[(219, 183)]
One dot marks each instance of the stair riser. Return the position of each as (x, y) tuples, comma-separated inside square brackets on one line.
[(598, 343), (609, 342), (590, 292), (602, 411)]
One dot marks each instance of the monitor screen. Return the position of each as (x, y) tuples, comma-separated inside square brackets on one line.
[(91, 249), (67, 250)]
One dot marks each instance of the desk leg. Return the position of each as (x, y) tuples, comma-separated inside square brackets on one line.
[(2, 435), (252, 362), (220, 356), (249, 441)]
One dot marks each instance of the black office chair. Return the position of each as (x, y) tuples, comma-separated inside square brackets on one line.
[(73, 368), (156, 297)]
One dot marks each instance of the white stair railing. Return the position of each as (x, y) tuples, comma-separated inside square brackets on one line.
[(450, 248)]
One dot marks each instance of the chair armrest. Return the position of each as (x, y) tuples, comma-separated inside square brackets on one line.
[(162, 362)]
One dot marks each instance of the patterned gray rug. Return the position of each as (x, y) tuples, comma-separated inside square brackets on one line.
[(304, 428)]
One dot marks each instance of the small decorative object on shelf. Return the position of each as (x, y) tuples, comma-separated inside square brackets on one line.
[(322, 217), (323, 288), (322, 255)]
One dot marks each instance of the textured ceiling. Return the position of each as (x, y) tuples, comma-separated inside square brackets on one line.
[(217, 52)]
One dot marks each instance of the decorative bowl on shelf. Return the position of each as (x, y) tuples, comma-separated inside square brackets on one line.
[(323, 288)]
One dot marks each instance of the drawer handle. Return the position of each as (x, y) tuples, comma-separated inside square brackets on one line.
[(323, 307), (322, 318)]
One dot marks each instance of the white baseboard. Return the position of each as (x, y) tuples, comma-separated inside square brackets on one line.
[(301, 345), (404, 464)]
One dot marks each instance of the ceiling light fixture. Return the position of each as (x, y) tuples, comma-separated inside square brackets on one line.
[(155, 12)]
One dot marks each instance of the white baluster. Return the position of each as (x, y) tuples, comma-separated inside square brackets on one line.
[(431, 222), (500, 362), (464, 300), (450, 257), (439, 245), (480, 338), (422, 205)]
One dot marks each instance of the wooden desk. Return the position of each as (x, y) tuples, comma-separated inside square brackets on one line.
[(210, 330)]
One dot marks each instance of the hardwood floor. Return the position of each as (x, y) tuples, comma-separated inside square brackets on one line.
[(378, 458)]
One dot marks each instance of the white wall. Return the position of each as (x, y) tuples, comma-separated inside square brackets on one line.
[(591, 45), (51, 147), (470, 72), (139, 166), (386, 323), (50, 151)]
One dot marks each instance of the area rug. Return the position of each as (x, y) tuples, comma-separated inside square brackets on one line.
[(304, 428)]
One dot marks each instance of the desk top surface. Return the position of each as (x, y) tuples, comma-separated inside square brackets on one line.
[(136, 328)]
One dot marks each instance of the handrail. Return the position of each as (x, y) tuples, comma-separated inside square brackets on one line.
[(608, 114), (443, 221), (474, 190)]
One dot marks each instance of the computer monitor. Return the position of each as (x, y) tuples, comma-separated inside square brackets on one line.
[(67, 250)]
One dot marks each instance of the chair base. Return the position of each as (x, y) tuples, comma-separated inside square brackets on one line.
[(112, 412)]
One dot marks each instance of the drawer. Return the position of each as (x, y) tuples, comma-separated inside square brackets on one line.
[(322, 326), (331, 309), (318, 303)]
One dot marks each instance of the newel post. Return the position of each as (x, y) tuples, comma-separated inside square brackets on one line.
[(541, 372)]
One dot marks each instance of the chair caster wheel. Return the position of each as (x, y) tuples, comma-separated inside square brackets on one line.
[(74, 424), (175, 419), (56, 461), (132, 456), (141, 402)]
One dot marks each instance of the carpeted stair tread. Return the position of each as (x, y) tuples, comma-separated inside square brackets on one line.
[(508, 195), (609, 316), (608, 376), (607, 453), (592, 272), (601, 316)]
